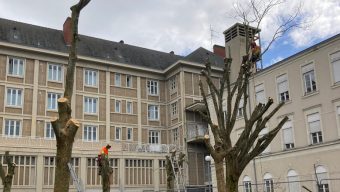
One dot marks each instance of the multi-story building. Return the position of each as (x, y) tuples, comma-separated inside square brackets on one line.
[(305, 153), (131, 97)]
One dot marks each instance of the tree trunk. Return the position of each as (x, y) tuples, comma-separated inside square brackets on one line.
[(64, 152), (232, 183), (106, 171), (221, 187), (7, 179)]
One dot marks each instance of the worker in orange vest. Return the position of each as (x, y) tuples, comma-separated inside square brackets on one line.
[(255, 52), (104, 153)]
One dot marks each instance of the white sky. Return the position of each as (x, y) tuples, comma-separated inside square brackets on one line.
[(166, 25)]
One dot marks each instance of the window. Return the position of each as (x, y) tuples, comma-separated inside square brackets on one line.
[(247, 184), (268, 183), (175, 135), (128, 81), (14, 97), (139, 172), (259, 93), (12, 128), (293, 181), (117, 79), (322, 178), (118, 133), (152, 87), (282, 86), (309, 78), (240, 108), (174, 109), (335, 60), (90, 133), (172, 84), (129, 133), (49, 170), (52, 100), (15, 66), (153, 113), (129, 107), (262, 133), (54, 72), (25, 171), (49, 132), (315, 128), (90, 77), (154, 137), (287, 132), (90, 105), (117, 106), (92, 168)]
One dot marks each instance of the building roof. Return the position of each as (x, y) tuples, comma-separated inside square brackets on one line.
[(200, 56), (52, 39)]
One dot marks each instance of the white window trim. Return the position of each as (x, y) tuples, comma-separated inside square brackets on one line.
[(22, 97), (277, 86), (158, 136), (126, 110), (23, 67), (158, 116), (260, 85), (97, 132), (61, 73), (149, 90), (127, 133), (46, 102), (304, 90), (126, 81), (45, 127), (290, 118), (120, 106), (120, 133), (97, 77), (120, 79), (97, 105), (332, 67), (12, 119), (310, 112), (173, 84), (337, 116)]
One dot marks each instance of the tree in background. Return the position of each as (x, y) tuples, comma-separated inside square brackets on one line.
[(250, 144), (7, 178), (65, 128)]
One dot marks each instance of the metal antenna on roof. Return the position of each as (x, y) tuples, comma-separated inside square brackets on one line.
[(212, 35)]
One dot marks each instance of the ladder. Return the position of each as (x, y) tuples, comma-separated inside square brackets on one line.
[(178, 173), (76, 180)]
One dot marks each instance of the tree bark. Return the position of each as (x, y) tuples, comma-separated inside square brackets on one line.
[(65, 128), (106, 171), (7, 179), (219, 169)]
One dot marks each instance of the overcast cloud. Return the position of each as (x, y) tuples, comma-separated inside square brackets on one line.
[(170, 25)]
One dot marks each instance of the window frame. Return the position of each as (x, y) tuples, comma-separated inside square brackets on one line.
[(154, 111), (173, 84), (61, 73), (174, 110), (128, 85), (129, 103), (260, 88), (16, 104), (92, 127), (118, 80), (153, 136), (51, 136), (119, 129), (332, 61), (94, 81), (119, 108), (308, 69), (9, 58), (15, 134), (131, 134), (56, 101), (282, 78), (152, 87), (285, 127), (92, 103), (318, 134)]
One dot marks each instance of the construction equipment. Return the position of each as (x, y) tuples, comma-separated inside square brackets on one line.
[(76, 180)]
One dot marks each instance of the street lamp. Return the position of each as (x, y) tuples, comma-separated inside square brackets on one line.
[(208, 159)]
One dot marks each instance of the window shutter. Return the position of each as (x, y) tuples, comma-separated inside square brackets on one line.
[(259, 87), (283, 86), (338, 109), (307, 68), (288, 135), (336, 70)]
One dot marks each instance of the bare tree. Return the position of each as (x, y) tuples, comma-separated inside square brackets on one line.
[(105, 172), (7, 178), (65, 127), (249, 145)]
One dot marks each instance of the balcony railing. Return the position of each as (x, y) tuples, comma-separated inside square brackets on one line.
[(79, 144), (196, 131)]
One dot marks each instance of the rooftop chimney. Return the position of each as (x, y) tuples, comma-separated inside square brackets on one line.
[(219, 50), (67, 31), (172, 52), (121, 41)]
